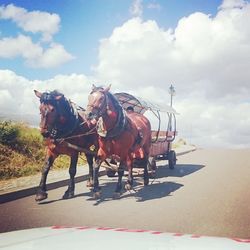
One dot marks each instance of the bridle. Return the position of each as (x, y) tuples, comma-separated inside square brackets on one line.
[(66, 118), (100, 111), (48, 131)]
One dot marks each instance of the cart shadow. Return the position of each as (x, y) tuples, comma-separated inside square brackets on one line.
[(155, 191), (180, 170)]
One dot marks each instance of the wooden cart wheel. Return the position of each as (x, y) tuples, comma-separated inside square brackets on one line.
[(152, 168), (171, 159)]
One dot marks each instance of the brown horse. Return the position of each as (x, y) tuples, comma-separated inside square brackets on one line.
[(66, 131), (123, 134)]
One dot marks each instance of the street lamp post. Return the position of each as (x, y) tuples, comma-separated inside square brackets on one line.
[(171, 91)]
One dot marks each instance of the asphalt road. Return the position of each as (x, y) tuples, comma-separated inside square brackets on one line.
[(208, 193)]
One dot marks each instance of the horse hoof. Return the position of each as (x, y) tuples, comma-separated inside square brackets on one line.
[(116, 195), (128, 186), (97, 195), (68, 195), (41, 196)]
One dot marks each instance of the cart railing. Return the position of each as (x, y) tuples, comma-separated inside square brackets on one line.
[(163, 135)]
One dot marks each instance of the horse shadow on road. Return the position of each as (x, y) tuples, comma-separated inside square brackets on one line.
[(157, 189)]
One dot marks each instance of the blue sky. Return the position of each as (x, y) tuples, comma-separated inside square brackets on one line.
[(140, 47), (84, 22)]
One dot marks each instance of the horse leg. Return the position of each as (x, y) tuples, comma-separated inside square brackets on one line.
[(90, 163), (118, 189), (145, 174), (41, 192), (96, 187), (69, 193), (146, 156), (130, 180)]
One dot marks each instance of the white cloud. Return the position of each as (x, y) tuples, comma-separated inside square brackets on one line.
[(154, 5), (34, 54), (233, 4), (19, 46), (6, 99), (34, 21), (136, 8), (11, 92), (53, 56)]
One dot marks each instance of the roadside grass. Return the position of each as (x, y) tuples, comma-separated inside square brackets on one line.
[(22, 151), (179, 143)]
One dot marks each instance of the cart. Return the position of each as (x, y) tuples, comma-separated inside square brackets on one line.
[(161, 147)]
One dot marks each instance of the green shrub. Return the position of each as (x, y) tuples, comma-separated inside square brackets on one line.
[(8, 133), (29, 141)]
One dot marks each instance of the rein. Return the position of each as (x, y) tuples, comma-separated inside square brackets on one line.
[(90, 132)]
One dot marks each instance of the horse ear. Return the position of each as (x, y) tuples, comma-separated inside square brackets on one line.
[(38, 94), (108, 88), (93, 87)]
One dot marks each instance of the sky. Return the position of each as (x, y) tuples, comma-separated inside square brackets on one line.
[(140, 47)]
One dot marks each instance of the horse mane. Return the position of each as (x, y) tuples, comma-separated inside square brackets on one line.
[(62, 104), (50, 96), (65, 109), (122, 117)]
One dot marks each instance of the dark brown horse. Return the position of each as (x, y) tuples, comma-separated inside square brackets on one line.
[(123, 134), (66, 131)]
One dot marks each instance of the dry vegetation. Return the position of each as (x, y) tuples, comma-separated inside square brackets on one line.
[(22, 151)]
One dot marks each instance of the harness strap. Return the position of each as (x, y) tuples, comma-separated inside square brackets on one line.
[(90, 132), (86, 151)]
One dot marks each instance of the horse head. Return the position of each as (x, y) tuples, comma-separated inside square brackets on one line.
[(50, 114), (97, 102)]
